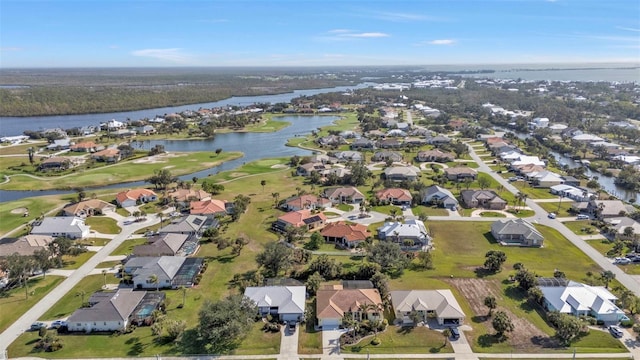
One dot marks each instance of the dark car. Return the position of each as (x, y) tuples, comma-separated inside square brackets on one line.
[(455, 333), (291, 327)]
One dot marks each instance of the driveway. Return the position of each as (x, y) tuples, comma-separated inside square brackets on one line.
[(289, 344), (331, 342)]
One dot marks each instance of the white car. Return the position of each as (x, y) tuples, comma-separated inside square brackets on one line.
[(551, 215), (622, 261), (582, 217)]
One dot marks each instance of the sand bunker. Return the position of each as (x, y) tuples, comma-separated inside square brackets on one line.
[(279, 166), (20, 210)]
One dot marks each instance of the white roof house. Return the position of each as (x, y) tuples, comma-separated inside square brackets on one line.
[(61, 226), (528, 160), (288, 302), (587, 138), (441, 302), (581, 299), (398, 232)]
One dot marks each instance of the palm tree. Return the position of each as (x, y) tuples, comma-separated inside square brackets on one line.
[(81, 295), (153, 278), (447, 334), (263, 183), (275, 196), (104, 275)]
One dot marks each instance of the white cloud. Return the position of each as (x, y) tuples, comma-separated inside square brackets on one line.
[(442, 42), (173, 54), (628, 29), (346, 34), (398, 16), (368, 35)]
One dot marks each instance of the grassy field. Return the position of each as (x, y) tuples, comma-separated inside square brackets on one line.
[(582, 227), (532, 192), (179, 163), (309, 340), (253, 168), (74, 262), (429, 211), (553, 207), (94, 241), (492, 214), (71, 301), (259, 342), (103, 224), (12, 212), (15, 303), (395, 340), (127, 246)]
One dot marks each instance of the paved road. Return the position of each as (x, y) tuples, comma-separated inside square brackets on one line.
[(541, 218), (23, 323)]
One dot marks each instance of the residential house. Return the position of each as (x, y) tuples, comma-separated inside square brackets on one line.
[(608, 208), (60, 144), (570, 180), (528, 169), (85, 146), (386, 155), (89, 207), (347, 156), (546, 179), (517, 232), (311, 167), (146, 130), (170, 271), (333, 302), (25, 245), (526, 160), (414, 141), (343, 195), (347, 235), (460, 173), (401, 173), (570, 192), (56, 163), (110, 155), (395, 196), (132, 197), (411, 235), (362, 144), (331, 140), (389, 144), (301, 218), (420, 305), (587, 138), (210, 207), (438, 195), (620, 226), (306, 201), (185, 196), (583, 300), (482, 199), (166, 244), (285, 303), (435, 155), (71, 227), (438, 140), (109, 311), (190, 224)]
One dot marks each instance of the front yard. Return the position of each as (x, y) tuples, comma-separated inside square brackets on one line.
[(403, 340)]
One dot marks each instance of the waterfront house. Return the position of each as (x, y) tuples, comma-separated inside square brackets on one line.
[(88, 208), (110, 155)]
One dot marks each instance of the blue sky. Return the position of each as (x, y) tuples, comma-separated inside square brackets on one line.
[(99, 33)]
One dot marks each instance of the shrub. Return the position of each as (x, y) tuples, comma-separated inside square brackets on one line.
[(626, 323), (375, 341)]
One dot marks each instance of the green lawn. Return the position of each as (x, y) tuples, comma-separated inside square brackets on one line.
[(74, 262), (344, 207), (492, 214), (259, 342), (429, 211), (603, 246), (395, 340), (127, 246), (94, 241), (179, 163), (263, 166), (582, 227), (103, 224), (532, 192), (12, 212), (72, 300), (565, 206), (309, 340), (522, 213), (108, 264), (15, 302)]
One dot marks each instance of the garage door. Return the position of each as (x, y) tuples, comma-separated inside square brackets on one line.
[(330, 324), (289, 317)]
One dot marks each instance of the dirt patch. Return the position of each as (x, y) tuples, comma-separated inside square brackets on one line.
[(526, 337), (157, 158), (169, 167), (238, 174), (19, 211)]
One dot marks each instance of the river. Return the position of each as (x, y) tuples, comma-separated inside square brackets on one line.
[(607, 183), (253, 145)]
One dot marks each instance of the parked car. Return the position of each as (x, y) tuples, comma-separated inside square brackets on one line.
[(291, 327), (455, 333), (582, 217), (37, 326), (615, 331), (622, 261), (58, 324), (551, 215)]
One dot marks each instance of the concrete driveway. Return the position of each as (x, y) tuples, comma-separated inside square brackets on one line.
[(289, 344), (331, 342)]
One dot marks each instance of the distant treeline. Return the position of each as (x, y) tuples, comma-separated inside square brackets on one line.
[(120, 95)]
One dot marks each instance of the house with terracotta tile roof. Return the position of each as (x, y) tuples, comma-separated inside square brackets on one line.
[(306, 201), (185, 196), (395, 196), (131, 197), (333, 302), (301, 218), (107, 155), (88, 208), (211, 207), (347, 235), (85, 146)]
